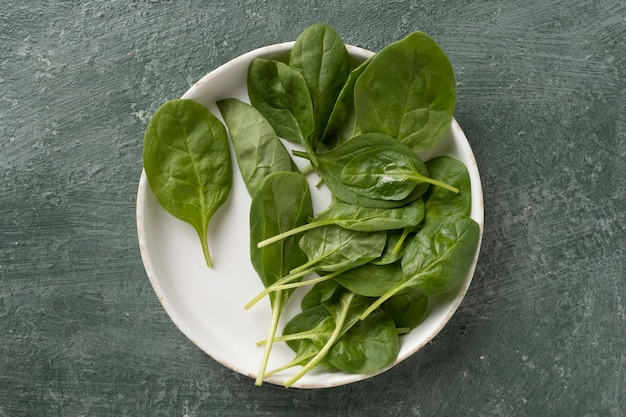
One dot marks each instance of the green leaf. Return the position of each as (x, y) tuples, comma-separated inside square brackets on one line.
[(258, 150), (333, 248), (371, 280), (281, 95), (408, 92), (436, 259), (360, 219), (407, 309), (282, 201), (333, 162), (321, 57), (187, 162), (342, 125), (368, 346), (444, 204)]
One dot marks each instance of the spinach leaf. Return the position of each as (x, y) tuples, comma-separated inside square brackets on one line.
[(371, 280), (258, 150), (393, 248), (332, 335), (387, 174), (333, 248), (281, 202), (306, 334), (187, 162), (407, 309), (342, 124), (321, 57), (360, 219), (333, 162), (441, 203), (329, 249), (319, 292), (408, 92), (345, 308), (281, 95), (437, 258), (368, 346)]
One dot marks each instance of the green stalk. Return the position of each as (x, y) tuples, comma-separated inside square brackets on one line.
[(291, 232), (299, 284), (204, 241), (421, 178), (390, 293), (276, 310), (266, 291)]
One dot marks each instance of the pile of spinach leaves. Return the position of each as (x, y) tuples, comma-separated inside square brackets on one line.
[(398, 229)]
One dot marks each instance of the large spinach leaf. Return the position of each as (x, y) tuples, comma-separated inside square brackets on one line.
[(386, 174), (444, 204), (258, 149), (321, 57), (282, 201), (333, 162), (281, 95), (342, 125), (437, 258), (329, 249), (368, 346), (187, 162), (408, 92), (360, 219), (407, 309), (371, 280)]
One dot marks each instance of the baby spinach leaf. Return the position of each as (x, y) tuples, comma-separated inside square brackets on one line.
[(387, 174), (441, 203), (187, 162), (393, 248), (282, 201), (319, 292), (321, 57), (333, 162), (407, 309), (333, 248), (345, 308), (408, 92), (329, 249), (281, 95), (258, 150), (360, 219), (367, 219), (368, 346), (437, 258), (371, 280), (342, 125)]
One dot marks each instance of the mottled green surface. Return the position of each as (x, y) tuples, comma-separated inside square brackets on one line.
[(541, 88)]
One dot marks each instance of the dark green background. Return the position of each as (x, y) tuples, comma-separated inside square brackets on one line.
[(541, 86)]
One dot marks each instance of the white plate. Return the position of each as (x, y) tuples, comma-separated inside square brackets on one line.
[(207, 304)]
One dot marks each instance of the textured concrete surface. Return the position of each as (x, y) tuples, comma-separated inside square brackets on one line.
[(542, 331)]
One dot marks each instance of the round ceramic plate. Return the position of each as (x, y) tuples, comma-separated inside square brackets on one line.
[(207, 304)]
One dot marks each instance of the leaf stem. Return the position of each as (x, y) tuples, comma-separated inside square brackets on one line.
[(332, 275), (422, 178), (276, 310), (204, 240), (286, 279), (390, 293), (291, 232)]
